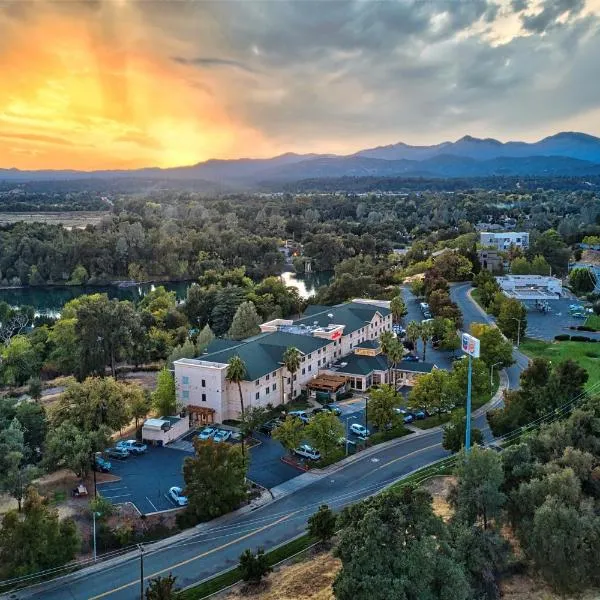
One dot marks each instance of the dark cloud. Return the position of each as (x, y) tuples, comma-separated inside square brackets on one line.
[(212, 62), (519, 5)]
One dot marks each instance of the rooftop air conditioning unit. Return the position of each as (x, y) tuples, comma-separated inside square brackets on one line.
[(330, 315), (315, 323), (344, 364)]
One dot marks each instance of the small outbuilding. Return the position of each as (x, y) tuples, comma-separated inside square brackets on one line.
[(160, 432)]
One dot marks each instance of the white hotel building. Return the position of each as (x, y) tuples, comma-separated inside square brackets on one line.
[(323, 335)]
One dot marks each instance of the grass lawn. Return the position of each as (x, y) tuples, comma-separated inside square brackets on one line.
[(585, 354), (475, 294), (593, 321), (432, 421)]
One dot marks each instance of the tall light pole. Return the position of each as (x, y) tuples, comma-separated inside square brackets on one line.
[(141, 571), (470, 346), (492, 378), (518, 329)]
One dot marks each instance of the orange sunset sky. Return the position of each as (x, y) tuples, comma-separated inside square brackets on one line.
[(131, 83)]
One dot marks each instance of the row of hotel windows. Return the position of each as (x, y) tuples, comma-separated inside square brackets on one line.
[(267, 391), (185, 395)]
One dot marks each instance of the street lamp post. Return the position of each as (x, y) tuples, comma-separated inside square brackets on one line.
[(492, 378), (141, 571)]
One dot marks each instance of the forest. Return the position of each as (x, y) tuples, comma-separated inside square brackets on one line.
[(180, 235)]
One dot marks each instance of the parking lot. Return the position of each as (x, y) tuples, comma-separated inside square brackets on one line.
[(146, 479)]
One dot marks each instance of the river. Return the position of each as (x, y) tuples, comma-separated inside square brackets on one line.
[(49, 300)]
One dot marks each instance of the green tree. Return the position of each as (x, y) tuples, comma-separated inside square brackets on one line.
[(161, 588), (185, 350), (454, 432), (95, 402), (79, 276), (477, 495), (290, 433), (35, 388), (426, 333), (520, 266), (582, 281), (398, 308), (540, 266), (321, 525), (252, 419), (395, 355), (246, 322), (205, 337), (433, 392), (324, 432), (215, 479), (494, 348), (35, 540), (18, 361), (386, 340), (413, 332), (512, 319), (139, 403), (226, 303), (291, 361), (382, 403), (64, 356), (405, 551), (564, 545), (253, 567), (236, 373), (70, 447), (33, 419), (164, 398)]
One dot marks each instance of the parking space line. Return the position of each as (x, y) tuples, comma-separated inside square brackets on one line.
[(152, 505), (117, 496)]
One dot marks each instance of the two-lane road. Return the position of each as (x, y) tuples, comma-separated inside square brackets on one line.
[(216, 547)]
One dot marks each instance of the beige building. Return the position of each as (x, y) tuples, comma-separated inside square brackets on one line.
[(323, 336)]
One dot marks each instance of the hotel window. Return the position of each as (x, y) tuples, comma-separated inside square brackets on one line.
[(185, 395), (319, 351), (310, 367), (274, 373), (257, 395), (203, 397), (308, 357), (274, 386), (185, 380), (295, 378), (319, 363), (303, 371), (258, 382), (203, 383), (267, 377), (267, 390)]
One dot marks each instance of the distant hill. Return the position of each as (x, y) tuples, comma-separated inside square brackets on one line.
[(564, 154)]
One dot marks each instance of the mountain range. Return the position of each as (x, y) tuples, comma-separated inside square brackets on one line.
[(563, 154)]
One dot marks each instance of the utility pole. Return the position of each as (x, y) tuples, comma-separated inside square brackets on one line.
[(141, 571)]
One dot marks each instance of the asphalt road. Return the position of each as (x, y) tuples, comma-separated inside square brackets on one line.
[(217, 547)]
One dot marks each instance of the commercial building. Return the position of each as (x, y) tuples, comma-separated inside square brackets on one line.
[(492, 261), (504, 240), (324, 335), (530, 287)]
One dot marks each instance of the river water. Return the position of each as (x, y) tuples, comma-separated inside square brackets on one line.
[(50, 300)]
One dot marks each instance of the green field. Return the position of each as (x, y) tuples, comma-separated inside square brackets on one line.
[(593, 321), (585, 354)]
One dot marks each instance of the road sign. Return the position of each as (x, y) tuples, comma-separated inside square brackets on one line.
[(470, 345)]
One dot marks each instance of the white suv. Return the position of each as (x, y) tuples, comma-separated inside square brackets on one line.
[(306, 451)]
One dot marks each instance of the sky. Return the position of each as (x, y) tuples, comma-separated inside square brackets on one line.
[(99, 84)]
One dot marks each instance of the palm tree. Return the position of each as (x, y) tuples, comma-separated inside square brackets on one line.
[(398, 308), (291, 360), (236, 373), (395, 354), (386, 341), (413, 332), (426, 335)]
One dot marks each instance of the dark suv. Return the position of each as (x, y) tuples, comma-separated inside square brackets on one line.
[(267, 428)]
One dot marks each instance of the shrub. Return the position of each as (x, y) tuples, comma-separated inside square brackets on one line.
[(253, 567), (563, 337), (580, 338)]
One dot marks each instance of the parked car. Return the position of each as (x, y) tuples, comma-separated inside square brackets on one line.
[(410, 358), (176, 494), (207, 433), (306, 451), (359, 430), (316, 411), (268, 427), (333, 408), (419, 415), (299, 414), (101, 464), (222, 435), (407, 417), (132, 446), (119, 453)]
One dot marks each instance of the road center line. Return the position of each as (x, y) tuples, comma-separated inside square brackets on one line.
[(193, 558)]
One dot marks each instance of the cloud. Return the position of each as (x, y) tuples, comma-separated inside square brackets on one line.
[(212, 62), (180, 82), (35, 137)]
